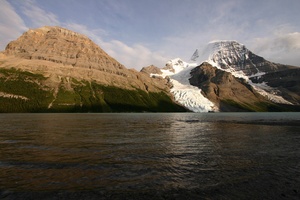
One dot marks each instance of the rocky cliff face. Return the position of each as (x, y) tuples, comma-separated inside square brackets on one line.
[(60, 45), (226, 91)]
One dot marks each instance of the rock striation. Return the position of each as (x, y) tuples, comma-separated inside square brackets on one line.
[(60, 45)]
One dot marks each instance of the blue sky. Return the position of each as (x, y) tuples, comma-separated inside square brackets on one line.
[(142, 32)]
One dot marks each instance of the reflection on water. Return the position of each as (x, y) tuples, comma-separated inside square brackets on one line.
[(220, 155)]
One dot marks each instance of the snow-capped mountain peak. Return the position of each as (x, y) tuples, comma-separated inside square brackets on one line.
[(232, 57), (228, 56), (226, 52)]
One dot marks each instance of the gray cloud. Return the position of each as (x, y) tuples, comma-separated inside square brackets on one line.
[(283, 48)]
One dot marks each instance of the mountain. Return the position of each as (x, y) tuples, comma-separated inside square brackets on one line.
[(52, 69), (232, 78), (235, 58)]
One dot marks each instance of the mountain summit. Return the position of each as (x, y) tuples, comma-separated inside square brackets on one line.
[(60, 45), (234, 57)]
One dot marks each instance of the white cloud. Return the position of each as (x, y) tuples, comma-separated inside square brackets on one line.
[(135, 56), (11, 24), (38, 16), (282, 48)]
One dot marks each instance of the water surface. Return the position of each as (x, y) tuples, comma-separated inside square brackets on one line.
[(147, 156)]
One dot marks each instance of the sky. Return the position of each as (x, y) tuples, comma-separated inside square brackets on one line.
[(139, 33)]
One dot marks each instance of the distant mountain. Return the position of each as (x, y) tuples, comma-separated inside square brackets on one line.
[(232, 78), (52, 69)]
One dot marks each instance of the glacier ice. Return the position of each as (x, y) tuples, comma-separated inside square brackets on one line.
[(184, 93)]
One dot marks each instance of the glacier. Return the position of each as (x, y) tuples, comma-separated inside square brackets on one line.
[(187, 95)]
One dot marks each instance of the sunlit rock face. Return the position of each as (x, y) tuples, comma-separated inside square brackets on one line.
[(60, 45)]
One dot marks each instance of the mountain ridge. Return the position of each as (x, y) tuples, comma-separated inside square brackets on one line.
[(72, 73), (52, 69), (244, 68)]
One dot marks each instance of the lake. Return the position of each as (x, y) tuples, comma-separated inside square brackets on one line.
[(150, 156)]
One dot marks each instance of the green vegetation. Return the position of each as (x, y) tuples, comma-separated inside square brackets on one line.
[(22, 91), (93, 97), (27, 92), (259, 106), (25, 86), (121, 100), (254, 107), (231, 105)]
